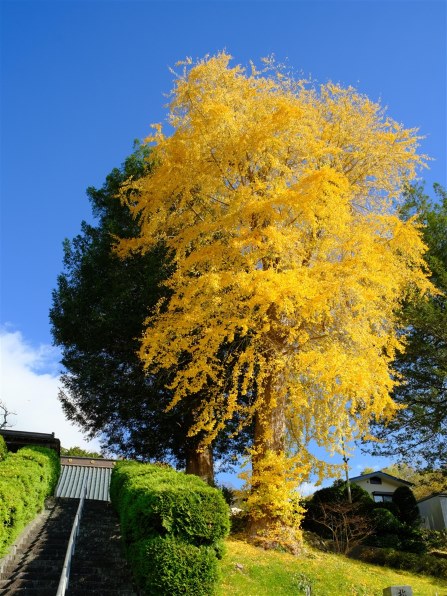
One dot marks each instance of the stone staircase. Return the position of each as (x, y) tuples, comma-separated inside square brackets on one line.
[(37, 564), (97, 568)]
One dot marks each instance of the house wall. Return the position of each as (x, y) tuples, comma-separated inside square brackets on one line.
[(385, 487), (434, 512)]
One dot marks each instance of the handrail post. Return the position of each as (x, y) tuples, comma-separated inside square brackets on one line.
[(63, 582)]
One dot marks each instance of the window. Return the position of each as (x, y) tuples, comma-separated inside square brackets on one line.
[(383, 498), (375, 480)]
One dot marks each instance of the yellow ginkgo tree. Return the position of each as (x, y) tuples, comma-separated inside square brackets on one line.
[(277, 200)]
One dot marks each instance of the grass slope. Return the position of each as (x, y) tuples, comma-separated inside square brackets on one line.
[(250, 571)]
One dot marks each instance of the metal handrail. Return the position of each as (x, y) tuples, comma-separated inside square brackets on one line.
[(72, 543)]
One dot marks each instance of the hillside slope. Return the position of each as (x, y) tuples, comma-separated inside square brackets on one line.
[(250, 571)]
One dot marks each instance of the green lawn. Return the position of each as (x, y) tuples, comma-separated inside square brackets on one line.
[(251, 571)]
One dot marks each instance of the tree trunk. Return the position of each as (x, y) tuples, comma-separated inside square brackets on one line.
[(269, 435), (200, 463)]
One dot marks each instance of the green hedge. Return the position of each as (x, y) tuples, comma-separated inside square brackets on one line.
[(49, 462), (165, 566), (417, 563), (172, 524), (26, 479)]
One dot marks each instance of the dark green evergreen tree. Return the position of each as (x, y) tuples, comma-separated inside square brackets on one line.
[(407, 508), (418, 435), (97, 316)]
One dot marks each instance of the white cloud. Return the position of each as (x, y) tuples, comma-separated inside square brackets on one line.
[(307, 488), (30, 385)]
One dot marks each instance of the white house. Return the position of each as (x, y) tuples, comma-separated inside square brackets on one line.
[(433, 511), (380, 485)]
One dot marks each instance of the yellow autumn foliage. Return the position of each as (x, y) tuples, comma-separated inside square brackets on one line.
[(277, 200)]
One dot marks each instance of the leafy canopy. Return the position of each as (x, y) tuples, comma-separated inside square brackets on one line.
[(425, 483), (79, 452), (276, 200)]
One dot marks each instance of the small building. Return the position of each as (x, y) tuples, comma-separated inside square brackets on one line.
[(380, 485), (16, 439), (433, 510)]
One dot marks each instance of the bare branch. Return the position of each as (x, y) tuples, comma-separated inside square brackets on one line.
[(348, 525), (4, 413)]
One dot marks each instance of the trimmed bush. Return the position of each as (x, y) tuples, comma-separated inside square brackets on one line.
[(26, 473), (12, 512), (177, 515), (392, 533), (127, 472), (26, 479), (163, 501), (168, 566), (49, 462), (416, 563), (388, 506), (386, 524)]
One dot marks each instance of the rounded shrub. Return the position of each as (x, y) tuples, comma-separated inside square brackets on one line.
[(170, 567), (196, 514), (173, 525), (385, 522), (128, 474), (389, 506), (391, 533), (154, 501)]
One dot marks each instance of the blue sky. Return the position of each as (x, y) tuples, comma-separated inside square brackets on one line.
[(82, 79)]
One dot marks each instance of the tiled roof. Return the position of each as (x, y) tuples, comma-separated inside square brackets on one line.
[(16, 439), (383, 475), (72, 477)]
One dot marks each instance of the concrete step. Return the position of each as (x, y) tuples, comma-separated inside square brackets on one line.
[(98, 559), (29, 592), (23, 584), (44, 575), (38, 558), (87, 588), (98, 566)]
